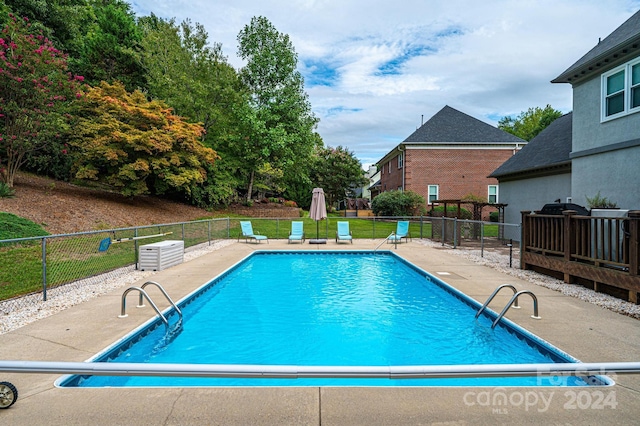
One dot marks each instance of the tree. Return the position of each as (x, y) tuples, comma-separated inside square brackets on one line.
[(64, 22), (35, 93), (338, 172), (280, 129), (529, 123), (138, 146), (111, 48)]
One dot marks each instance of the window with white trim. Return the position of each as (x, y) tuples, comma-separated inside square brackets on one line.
[(621, 90), (400, 160), (433, 193), (493, 194)]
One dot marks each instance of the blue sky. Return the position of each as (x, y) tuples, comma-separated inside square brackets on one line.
[(374, 68)]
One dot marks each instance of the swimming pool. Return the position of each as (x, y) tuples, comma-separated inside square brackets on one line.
[(333, 309)]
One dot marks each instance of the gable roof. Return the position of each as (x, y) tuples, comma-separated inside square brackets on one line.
[(451, 125), (550, 149), (618, 47)]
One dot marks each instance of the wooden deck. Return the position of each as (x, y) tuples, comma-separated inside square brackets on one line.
[(601, 253)]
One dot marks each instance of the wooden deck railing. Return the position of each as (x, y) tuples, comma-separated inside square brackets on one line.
[(584, 249)]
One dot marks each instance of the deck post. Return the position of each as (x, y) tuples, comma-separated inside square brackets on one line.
[(634, 249), (569, 242)]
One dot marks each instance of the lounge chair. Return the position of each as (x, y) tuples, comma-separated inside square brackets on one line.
[(402, 231), (297, 232), (343, 233), (248, 234)]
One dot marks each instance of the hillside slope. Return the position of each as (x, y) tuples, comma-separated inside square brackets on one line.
[(61, 208)]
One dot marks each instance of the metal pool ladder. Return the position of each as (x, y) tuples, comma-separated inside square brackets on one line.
[(385, 239), (145, 295), (513, 301)]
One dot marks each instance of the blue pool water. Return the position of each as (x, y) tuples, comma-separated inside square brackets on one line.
[(328, 308)]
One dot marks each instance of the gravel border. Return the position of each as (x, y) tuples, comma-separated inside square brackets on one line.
[(500, 262), (66, 296)]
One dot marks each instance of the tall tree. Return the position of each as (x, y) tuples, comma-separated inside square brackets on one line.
[(529, 123), (282, 125), (138, 146), (111, 48), (64, 22), (35, 93), (338, 172)]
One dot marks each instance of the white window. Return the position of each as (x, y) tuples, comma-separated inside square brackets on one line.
[(621, 90), (389, 167), (400, 160), (493, 194), (433, 193)]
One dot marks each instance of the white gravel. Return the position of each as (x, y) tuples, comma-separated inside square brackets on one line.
[(33, 308), (500, 262)]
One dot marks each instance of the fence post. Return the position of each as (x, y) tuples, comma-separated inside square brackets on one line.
[(44, 269), (374, 228), (135, 247), (524, 235), (481, 239), (443, 233), (634, 249), (568, 242), (209, 230), (455, 232)]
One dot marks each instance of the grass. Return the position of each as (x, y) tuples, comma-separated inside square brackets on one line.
[(72, 258), (12, 226)]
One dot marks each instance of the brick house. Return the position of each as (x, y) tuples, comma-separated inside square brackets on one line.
[(448, 157)]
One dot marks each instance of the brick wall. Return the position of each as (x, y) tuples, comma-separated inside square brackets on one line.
[(457, 172)]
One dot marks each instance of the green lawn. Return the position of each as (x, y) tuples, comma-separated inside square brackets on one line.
[(73, 258)]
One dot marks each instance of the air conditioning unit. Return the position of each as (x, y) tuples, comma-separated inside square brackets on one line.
[(162, 255)]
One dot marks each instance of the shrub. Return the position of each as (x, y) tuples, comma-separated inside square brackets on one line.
[(290, 204), (494, 217), (599, 202), (398, 203), (6, 191)]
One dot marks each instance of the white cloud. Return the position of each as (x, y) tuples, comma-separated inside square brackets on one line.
[(374, 67)]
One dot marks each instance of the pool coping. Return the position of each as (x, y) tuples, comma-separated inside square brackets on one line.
[(585, 331)]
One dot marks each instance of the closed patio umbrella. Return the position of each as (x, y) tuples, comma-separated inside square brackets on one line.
[(317, 212)]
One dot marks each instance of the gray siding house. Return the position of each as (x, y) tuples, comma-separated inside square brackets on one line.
[(605, 154), (602, 135), (540, 173)]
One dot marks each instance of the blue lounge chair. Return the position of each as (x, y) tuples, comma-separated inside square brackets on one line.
[(297, 232), (248, 234), (343, 233), (402, 231)]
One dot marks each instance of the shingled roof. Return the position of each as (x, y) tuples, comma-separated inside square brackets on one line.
[(550, 149), (451, 125), (618, 47)]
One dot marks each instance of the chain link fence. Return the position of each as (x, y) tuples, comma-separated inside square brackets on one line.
[(30, 268)]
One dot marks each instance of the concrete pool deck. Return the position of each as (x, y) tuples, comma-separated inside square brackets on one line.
[(585, 331)]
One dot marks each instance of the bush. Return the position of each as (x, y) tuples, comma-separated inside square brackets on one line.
[(452, 211), (6, 191), (398, 203), (494, 217)]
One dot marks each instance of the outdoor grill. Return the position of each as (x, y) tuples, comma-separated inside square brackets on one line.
[(558, 208)]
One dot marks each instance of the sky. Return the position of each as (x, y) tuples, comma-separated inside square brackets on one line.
[(375, 70)]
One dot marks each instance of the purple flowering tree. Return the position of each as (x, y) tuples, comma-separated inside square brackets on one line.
[(36, 92)]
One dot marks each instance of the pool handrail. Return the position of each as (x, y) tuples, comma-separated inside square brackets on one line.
[(169, 299), (490, 298), (515, 296), (123, 306)]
